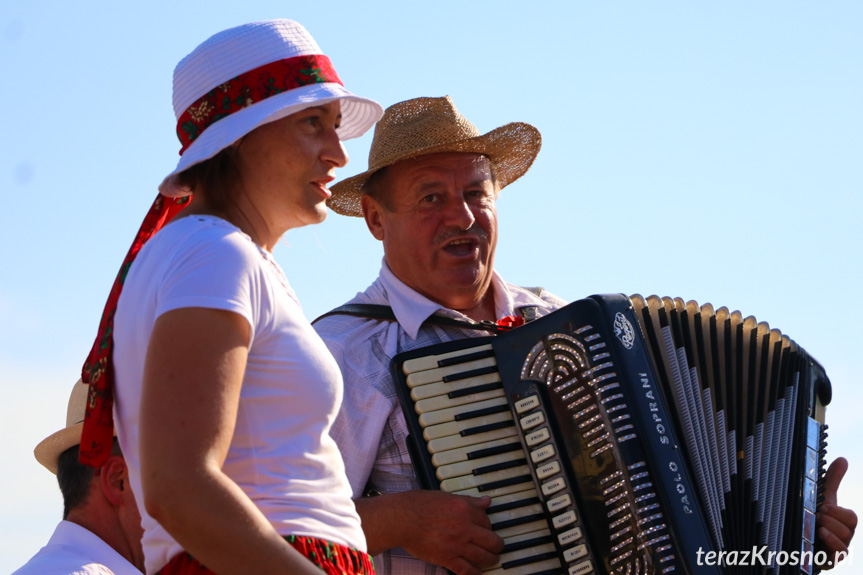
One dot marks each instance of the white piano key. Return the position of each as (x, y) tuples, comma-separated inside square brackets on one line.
[(544, 532), (496, 492), (523, 528), (468, 467), (439, 388), (518, 512), (456, 427), (513, 497), (527, 552), (450, 413), (431, 361), (461, 454), (526, 569), (444, 402), (469, 481), (457, 441), (433, 375)]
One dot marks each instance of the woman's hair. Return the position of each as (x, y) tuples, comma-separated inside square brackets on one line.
[(217, 180)]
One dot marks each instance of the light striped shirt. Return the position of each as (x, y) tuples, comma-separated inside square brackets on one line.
[(370, 429)]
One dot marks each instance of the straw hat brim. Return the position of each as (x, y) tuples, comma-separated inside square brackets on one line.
[(512, 149), (50, 448), (358, 115)]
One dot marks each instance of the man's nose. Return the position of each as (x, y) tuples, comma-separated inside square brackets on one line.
[(460, 214)]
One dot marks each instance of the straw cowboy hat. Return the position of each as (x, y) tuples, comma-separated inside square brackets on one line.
[(247, 76), (431, 125), (50, 448)]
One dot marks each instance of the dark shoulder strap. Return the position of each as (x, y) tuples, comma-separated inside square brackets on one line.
[(385, 312)]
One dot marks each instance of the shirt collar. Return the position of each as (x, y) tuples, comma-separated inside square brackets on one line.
[(74, 536), (412, 308)]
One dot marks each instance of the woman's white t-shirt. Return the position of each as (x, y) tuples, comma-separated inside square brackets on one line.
[(281, 454)]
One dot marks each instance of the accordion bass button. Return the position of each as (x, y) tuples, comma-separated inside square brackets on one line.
[(564, 519), (542, 453), (575, 553), (538, 437), (553, 486), (548, 470), (559, 503), (526, 404), (532, 420), (571, 536), (582, 568)]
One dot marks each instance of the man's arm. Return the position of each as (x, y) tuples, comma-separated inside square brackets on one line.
[(452, 531)]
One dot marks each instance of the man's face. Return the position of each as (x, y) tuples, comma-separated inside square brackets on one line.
[(441, 231)]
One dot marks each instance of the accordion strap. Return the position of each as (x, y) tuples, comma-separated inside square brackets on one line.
[(385, 312)]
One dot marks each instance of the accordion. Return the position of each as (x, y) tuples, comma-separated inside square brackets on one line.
[(627, 435)]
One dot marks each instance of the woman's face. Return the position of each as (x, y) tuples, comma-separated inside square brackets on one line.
[(286, 166)]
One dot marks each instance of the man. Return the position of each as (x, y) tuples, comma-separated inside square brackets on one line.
[(429, 196), (101, 528)]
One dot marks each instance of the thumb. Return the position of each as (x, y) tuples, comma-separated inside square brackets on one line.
[(833, 478), (480, 502)]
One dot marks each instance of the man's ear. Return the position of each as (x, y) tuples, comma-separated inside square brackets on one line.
[(114, 478), (372, 212)]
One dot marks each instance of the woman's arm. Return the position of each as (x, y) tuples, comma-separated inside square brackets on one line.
[(192, 379)]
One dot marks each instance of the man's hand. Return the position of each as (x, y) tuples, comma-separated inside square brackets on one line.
[(452, 531), (835, 524)]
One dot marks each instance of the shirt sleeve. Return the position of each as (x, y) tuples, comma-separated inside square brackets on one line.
[(220, 273), (361, 420)]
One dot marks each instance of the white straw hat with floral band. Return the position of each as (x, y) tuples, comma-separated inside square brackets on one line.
[(425, 126), (250, 75), (234, 82)]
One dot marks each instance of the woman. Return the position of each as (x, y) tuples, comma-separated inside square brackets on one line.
[(220, 380)]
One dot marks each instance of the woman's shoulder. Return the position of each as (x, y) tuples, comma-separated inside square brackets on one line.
[(205, 233)]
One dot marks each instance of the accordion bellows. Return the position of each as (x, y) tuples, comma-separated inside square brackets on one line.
[(628, 435)]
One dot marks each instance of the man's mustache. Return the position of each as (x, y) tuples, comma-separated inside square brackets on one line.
[(455, 232)]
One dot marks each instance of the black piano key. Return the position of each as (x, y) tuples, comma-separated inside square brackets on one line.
[(529, 560), (484, 428), (519, 545), (465, 358), (512, 505), (517, 521), (467, 374), (481, 412), (499, 466), (476, 389), (489, 451), (505, 483)]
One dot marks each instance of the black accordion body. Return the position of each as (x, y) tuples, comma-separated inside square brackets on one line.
[(628, 435)]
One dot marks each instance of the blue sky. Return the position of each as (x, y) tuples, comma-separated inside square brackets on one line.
[(710, 151)]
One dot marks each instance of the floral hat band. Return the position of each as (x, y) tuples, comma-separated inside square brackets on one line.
[(253, 86)]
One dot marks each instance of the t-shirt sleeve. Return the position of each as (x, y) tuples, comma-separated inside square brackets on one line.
[(221, 272)]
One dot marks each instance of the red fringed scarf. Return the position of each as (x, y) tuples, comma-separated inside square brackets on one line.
[(97, 437)]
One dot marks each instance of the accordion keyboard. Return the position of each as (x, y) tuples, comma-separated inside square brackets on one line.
[(481, 446)]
